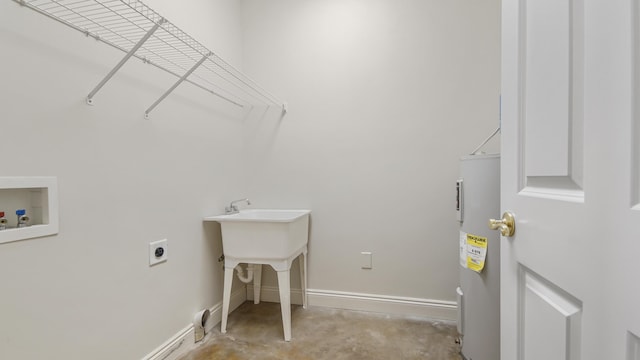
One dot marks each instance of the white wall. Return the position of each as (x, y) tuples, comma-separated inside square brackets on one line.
[(88, 293), (385, 96)]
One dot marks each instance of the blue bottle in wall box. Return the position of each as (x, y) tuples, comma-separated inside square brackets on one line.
[(3, 221), (23, 219)]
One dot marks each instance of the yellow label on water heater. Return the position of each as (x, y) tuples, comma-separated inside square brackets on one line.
[(476, 252)]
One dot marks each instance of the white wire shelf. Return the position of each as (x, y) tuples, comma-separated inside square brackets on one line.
[(134, 28)]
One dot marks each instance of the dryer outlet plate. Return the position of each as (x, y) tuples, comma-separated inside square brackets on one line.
[(158, 252)]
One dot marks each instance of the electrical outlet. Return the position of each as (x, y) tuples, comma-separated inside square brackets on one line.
[(365, 260), (157, 252)]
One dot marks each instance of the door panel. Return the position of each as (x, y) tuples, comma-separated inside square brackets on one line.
[(547, 103), (551, 38), (633, 347), (551, 319)]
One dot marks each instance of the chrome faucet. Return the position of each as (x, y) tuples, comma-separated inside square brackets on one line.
[(233, 208)]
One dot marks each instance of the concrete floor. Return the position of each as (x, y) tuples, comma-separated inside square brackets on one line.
[(255, 332)]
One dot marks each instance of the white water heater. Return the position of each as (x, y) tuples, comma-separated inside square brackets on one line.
[(477, 201)]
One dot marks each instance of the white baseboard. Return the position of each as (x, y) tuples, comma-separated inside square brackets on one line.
[(426, 308), (184, 340)]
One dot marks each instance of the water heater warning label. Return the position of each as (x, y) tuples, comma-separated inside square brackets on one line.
[(473, 251)]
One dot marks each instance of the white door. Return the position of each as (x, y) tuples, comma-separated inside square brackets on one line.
[(571, 176)]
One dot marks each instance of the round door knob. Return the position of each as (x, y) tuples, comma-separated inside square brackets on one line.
[(507, 224)]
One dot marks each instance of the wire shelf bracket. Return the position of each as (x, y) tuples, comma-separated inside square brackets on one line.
[(183, 78), (122, 62), (137, 30)]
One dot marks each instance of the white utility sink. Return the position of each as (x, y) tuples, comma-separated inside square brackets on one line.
[(265, 237), (263, 233)]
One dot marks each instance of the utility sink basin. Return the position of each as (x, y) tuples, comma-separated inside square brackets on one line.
[(263, 233)]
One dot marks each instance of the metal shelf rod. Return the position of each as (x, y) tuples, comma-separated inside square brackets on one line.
[(246, 80), (213, 92), (122, 62)]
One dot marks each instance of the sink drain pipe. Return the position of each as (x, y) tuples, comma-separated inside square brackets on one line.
[(240, 273)]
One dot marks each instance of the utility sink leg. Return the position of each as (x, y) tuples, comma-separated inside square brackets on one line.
[(226, 298), (303, 277), (285, 302)]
